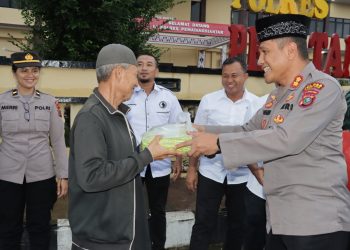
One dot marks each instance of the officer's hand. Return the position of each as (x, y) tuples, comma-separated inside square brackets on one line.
[(259, 175), (201, 144), (258, 172), (62, 188), (159, 152), (192, 178), (200, 128)]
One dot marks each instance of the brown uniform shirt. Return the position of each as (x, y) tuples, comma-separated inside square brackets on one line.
[(298, 135), (27, 128)]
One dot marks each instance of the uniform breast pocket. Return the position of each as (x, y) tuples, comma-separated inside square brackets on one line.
[(163, 116), (42, 120), (10, 121)]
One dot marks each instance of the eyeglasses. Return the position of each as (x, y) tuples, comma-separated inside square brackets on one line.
[(26, 111)]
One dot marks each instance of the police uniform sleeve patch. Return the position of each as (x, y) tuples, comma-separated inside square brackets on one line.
[(309, 94), (58, 108), (307, 100)]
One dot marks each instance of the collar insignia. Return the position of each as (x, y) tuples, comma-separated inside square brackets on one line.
[(297, 81), (290, 97), (269, 104), (14, 92)]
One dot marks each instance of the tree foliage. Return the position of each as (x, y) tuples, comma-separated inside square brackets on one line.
[(77, 29)]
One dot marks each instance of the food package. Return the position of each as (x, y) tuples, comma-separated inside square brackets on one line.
[(172, 134)]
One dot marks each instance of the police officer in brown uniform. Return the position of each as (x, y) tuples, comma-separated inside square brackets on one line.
[(298, 135), (30, 126)]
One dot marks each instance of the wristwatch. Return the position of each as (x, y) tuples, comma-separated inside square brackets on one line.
[(218, 144), (217, 152)]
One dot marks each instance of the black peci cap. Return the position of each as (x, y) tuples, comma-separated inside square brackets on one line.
[(282, 25), (25, 59)]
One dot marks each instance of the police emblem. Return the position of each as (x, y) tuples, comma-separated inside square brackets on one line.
[(307, 101), (163, 104)]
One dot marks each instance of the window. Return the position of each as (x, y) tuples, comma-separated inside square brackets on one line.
[(198, 10), (235, 16), (244, 17), (10, 3), (316, 25), (340, 26)]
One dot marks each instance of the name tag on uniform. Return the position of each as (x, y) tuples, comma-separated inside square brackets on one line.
[(9, 107)]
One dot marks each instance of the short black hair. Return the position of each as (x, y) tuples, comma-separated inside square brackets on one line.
[(299, 41), (14, 68), (232, 60)]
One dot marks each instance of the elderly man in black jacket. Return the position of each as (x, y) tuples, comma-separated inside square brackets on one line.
[(106, 209)]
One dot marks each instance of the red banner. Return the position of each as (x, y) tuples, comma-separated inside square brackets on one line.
[(191, 28), (346, 150)]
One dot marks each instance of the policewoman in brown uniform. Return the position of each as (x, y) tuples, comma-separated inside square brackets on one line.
[(298, 135), (31, 128)]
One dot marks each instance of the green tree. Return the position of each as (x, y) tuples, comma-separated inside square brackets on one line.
[(77, 29)]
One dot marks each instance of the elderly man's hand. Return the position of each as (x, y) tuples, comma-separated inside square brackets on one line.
[(159, 152), (201, 144)]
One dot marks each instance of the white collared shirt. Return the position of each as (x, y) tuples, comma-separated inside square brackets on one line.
[(160, 107), (253, 185), (217, 109)]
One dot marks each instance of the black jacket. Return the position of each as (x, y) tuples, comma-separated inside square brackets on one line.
[(105, 193)]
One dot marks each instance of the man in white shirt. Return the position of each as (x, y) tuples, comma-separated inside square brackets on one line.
[(232, 105), (153, 105)]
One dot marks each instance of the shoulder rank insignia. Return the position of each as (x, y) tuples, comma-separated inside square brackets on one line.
[(297, 81), (37, 93), (278, 119)]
